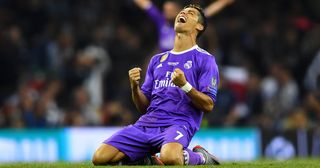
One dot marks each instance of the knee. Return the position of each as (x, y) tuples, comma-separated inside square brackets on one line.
[(107, 154), (171, 158), (102, 158), (98, 159)]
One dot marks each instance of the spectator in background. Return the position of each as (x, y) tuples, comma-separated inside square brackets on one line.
[(247, 111), (312, 105), (312, 78), (282, 97), (47, 103), (96, 60), (60, 51), (253, 99), (312, 86), (7, 113), (26, 107), (164, 21), (81, 111)]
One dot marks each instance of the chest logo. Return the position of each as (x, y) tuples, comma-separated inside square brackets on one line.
[(188, 65), (159, 66)]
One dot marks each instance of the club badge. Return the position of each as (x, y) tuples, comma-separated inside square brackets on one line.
[(188, 65)]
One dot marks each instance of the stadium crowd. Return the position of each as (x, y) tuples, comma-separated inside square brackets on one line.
[(65, 62)]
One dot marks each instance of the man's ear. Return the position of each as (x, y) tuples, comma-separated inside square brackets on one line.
[(199, 27)]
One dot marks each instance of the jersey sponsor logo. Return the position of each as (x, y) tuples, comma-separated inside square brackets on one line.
[(163, 83), (173, 63), (188, 65), (167, 82), (164, 57)]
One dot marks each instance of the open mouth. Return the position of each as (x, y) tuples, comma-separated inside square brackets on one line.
[(182, 19)]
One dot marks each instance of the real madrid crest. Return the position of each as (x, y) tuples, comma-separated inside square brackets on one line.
[(164, 57), (188, 65)]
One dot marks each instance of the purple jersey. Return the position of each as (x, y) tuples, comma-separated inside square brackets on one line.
[(169, 105), (166, 31)]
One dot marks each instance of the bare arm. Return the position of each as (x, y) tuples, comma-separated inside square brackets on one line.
[(216, 7), (140, 100), (143, 4), (199, 99)]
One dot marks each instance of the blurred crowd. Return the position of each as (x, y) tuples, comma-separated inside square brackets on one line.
[(65, 62)]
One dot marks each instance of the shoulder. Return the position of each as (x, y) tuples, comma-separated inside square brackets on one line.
[(203, 51), (204, 55), (160, 57)]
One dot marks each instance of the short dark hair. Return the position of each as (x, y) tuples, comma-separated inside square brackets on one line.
[(202, 17)]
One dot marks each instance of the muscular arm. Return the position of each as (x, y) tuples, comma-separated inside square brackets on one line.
[(216, 7), (200, 100), (139, 99)]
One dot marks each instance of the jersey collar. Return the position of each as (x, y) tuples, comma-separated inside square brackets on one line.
[(182, 52)]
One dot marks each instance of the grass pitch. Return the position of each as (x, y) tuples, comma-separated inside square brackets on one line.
[(294, 163)]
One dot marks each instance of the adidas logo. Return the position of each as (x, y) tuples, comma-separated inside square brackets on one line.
[(159, 66)]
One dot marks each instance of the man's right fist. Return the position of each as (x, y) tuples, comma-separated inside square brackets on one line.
[(134, 76)]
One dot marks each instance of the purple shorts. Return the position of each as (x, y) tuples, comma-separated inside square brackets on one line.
[(138, 141)]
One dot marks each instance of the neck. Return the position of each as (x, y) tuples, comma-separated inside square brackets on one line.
[(183, 42)]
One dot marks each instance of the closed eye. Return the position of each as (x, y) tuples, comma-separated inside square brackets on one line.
[(191, 12)]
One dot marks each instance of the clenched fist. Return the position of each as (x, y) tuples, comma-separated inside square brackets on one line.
[(134, 77), (178, 77)]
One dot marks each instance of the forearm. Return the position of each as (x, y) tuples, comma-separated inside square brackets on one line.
[(140, 100), (201, 100), (216, 7)]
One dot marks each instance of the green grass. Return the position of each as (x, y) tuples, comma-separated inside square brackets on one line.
[(295, 163)]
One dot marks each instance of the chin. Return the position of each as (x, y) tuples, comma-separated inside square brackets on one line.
[(178, 30), (178, 27)]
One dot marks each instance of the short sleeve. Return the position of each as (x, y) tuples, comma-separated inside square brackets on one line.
[(147, 85), (209, 77)]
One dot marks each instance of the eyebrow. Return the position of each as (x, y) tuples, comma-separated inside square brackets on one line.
[(191, 10)]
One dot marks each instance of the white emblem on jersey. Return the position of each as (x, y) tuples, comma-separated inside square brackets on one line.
[(173, 63), (159, 66), (188, 65), (214, 82), (180, 135)]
